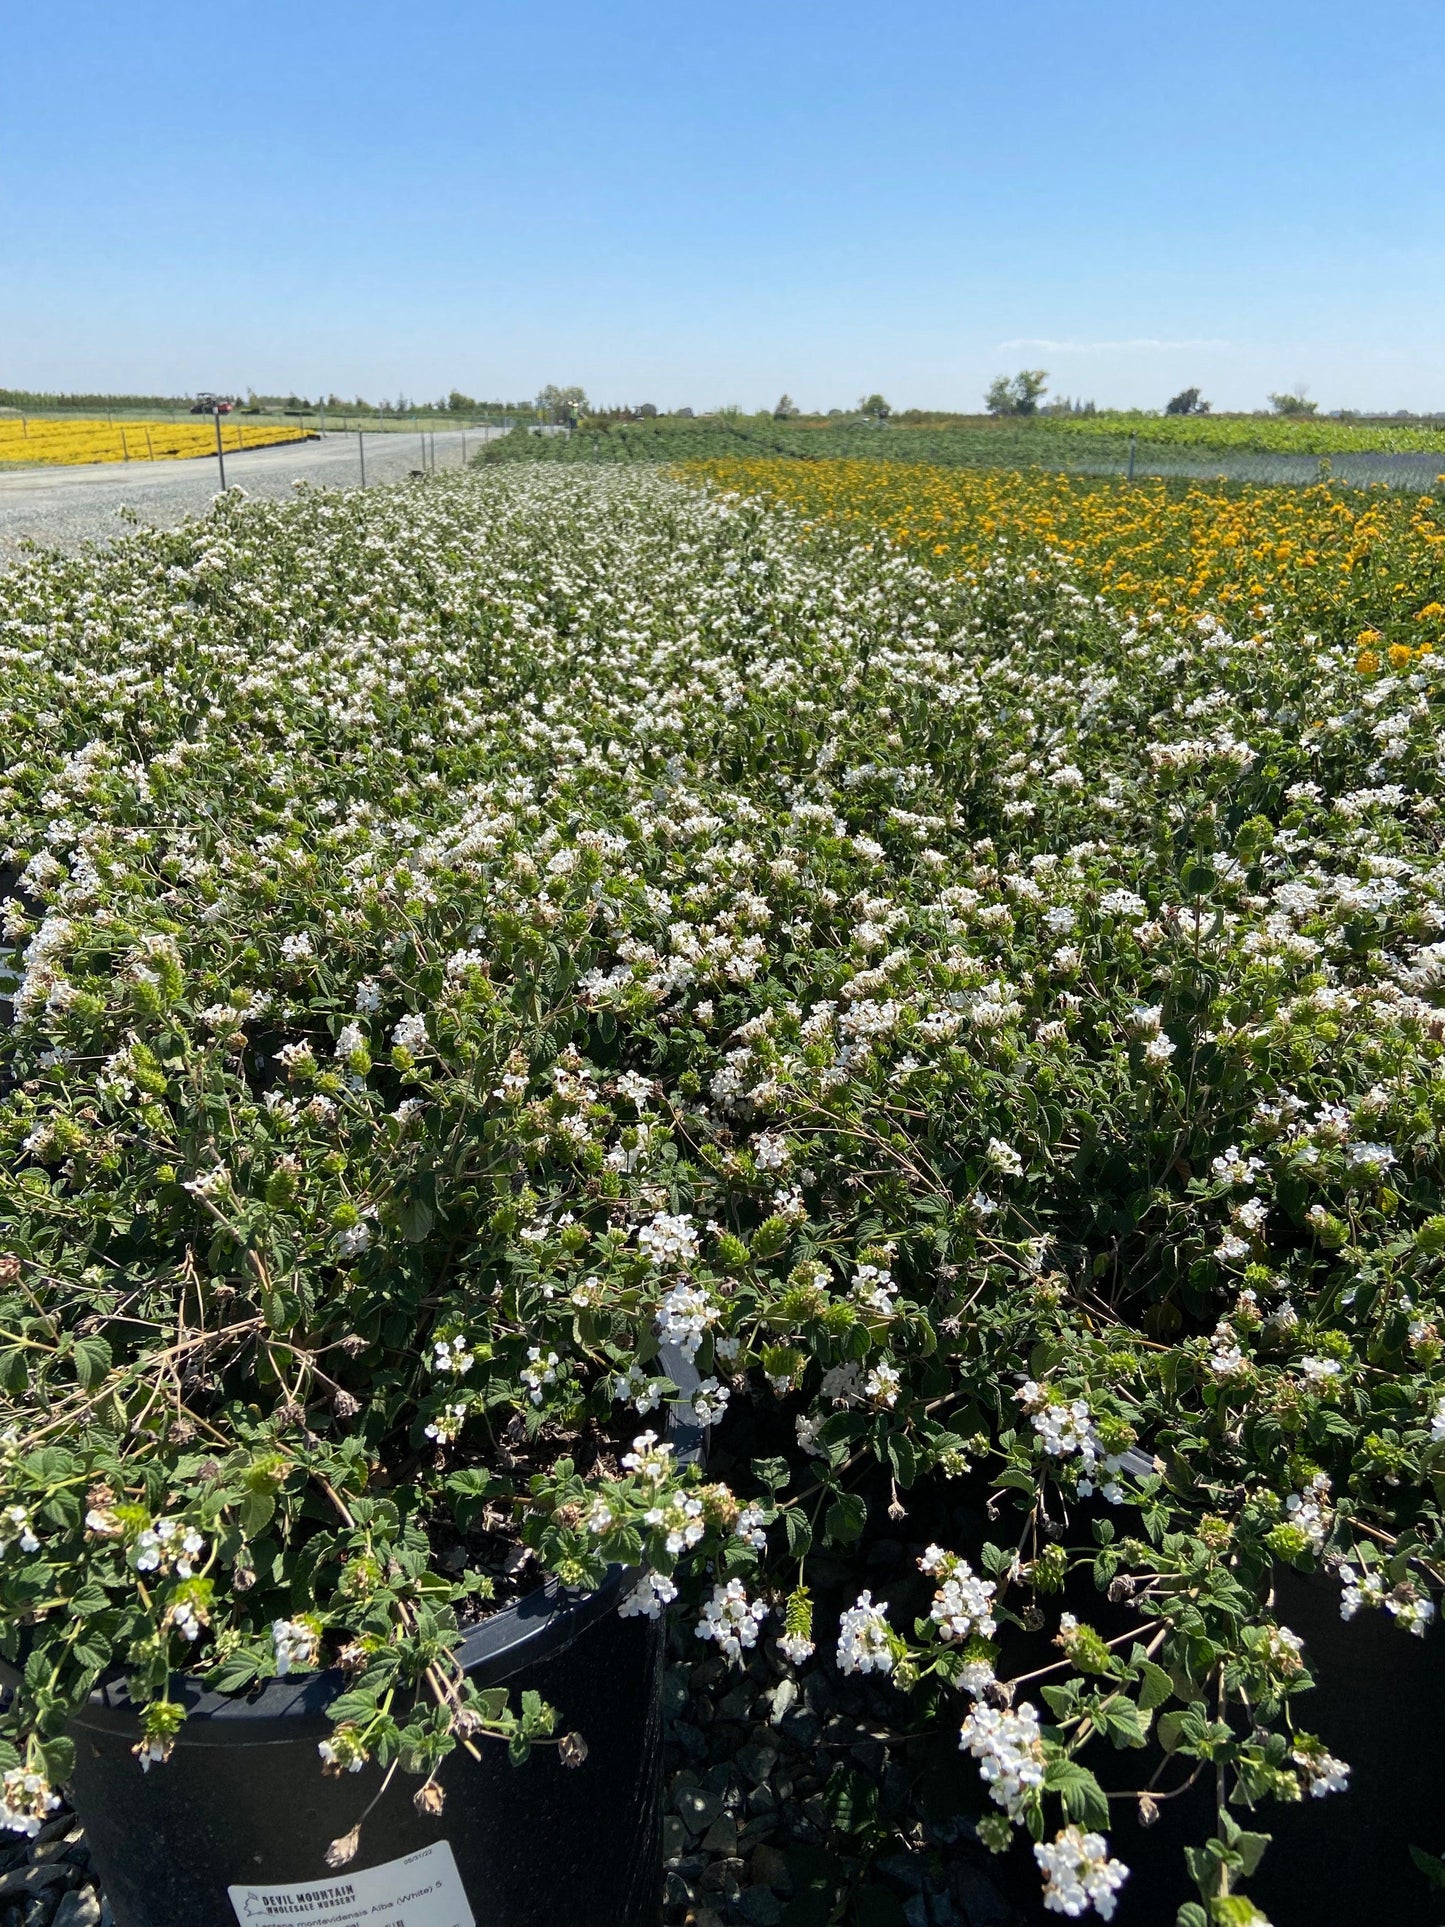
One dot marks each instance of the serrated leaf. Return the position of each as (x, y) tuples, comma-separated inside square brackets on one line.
[(233, 1675), (92, 1359), (1016, 1479), (1155, 1685), (1080, 1793), (844, 1520)]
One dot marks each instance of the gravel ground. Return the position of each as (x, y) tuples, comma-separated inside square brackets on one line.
[(66, 507), (785, 1808)]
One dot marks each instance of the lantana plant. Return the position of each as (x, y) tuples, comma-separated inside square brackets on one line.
[(475, 943)]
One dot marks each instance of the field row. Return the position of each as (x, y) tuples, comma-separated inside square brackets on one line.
[(39, 442), (1364, 568)]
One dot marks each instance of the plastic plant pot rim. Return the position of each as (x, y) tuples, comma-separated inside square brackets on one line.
[(539, 1627)]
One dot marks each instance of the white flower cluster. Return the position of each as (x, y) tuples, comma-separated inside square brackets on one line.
[(1078, 1874), (1066, 1428), (865, 1640), (684, 1317), (296, 1643), (540, 1370), (732, 1619), (670, 1239), (963, 1604), (649, 1598), (167, 1546), (27, 1800), (1010, 1753)]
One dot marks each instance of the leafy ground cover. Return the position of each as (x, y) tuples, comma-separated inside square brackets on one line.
[(1262, 451), (468, 935), (1361, 566), (1271, 434)]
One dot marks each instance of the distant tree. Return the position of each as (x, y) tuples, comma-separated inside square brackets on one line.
[(1186, 402), (459, 404), (1018, 395), (561, 404), (1294, 404), (875, 408), (787, 409), (647, 411), (684, 412)]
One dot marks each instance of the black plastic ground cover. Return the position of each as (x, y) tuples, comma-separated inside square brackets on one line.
[(243, 1802)]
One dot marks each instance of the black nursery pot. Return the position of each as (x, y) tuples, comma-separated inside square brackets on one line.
[(242, 1812), (1344, 1860)]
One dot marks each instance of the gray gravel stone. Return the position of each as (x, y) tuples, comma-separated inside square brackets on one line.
[(699, 1807), (760, 1907), (80, 1909)]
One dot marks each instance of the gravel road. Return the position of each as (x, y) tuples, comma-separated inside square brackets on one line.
[(66, 507)]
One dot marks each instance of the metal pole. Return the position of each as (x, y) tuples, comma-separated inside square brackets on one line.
[(1133, 444), (361, 451), (220, 452), (423, 454), (464, 448)]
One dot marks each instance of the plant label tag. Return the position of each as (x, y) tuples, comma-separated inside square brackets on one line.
[(423, 1890)]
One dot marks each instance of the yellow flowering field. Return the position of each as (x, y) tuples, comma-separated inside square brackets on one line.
[(1364, 564), (52, 443)]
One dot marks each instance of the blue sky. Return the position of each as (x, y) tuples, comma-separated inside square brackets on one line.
[(705, 205)]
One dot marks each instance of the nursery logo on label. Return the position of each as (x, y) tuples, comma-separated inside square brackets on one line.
[(423, 1890)]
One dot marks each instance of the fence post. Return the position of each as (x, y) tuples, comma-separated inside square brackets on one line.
[(220, 451), (464, 448), (1133, 445), (361, 450)]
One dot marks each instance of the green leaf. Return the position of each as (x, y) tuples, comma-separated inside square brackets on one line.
[(850, 1800), (1155, 1685), (59, 1757), (1191, 1914), (416, 1220), (1082, 1796), (92, 1650), (844, 1520), (773, 1473), (1016, 1479), (1432, 1868), (234, 1675), (902, 1457), (798, 1533), (92, 1360), (1250, 1848), (1062, 1701), (255, 1512)]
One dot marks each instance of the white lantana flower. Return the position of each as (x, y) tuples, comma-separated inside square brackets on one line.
[(1078, 1874), (865, 1643)]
